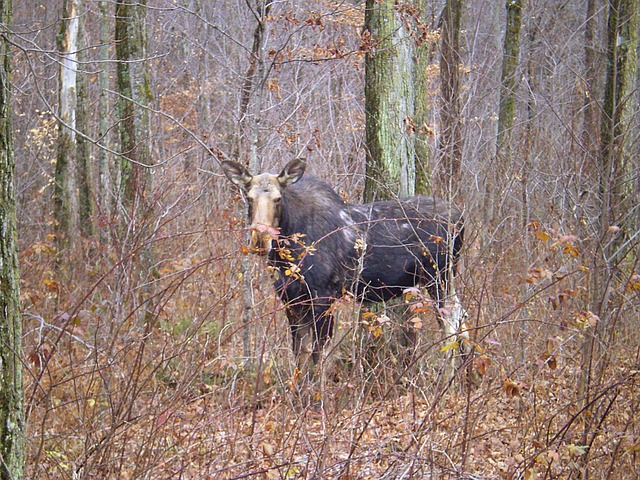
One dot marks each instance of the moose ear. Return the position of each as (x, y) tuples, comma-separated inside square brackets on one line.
[(237, 174), (292, 172)]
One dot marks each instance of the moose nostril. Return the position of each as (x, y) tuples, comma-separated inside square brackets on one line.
[(265, 230)]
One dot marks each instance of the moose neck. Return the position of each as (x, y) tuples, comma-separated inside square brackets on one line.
[(312, 208)]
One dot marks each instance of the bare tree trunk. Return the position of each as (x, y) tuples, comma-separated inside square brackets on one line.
[(11, 381), (249, 120), (134, 91), (618, 207), (615, 160), (65, 196), (506, 111), (451, 141), (509, 80), (85, 190), (591, 133), (203, 104), (591, 136), (423, 54), (135, 148), (104, 199), (389, 104)]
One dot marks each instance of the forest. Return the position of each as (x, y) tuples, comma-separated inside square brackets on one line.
[(150, 343)]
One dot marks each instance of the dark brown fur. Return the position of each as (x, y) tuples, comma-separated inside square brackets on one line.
[(322, 247)]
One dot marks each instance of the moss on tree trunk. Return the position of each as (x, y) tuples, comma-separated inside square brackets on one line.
[(508, 83), (423, 53), (135, 94), (11, 382), (389, 104), (451, 140), (616, 164)]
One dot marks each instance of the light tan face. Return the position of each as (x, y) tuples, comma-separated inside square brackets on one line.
[(264, 195)]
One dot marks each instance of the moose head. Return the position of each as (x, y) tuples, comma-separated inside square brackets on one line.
[(264, 195)]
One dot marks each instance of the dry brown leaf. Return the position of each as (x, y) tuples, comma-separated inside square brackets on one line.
[(481, 364), (511, 388)]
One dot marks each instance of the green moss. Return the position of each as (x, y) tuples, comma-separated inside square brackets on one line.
[(389, 104)]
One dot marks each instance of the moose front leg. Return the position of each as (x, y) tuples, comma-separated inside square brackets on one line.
[(323, 331), (311, 329), (321, 349), (302, 340)]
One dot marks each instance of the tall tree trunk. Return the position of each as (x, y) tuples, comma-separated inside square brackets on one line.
[(203, 105), (104, 199), (65, 196), (134, 96), (248, 138), (616, 179), (590, 136), (451, 136), (423, 55), (390, 129), (509, 79), (616, 185), (389, 103), (533, 81), (591, 133), (83, 146), (11, 381)]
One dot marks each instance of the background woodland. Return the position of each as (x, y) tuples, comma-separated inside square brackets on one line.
[(154, 346)]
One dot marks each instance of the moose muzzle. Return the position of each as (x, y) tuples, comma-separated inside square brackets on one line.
[(261, 237)]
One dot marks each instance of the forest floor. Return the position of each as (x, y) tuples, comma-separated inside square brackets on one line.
[(114, 392)]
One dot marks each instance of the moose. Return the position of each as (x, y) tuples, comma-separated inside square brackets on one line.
[(320, 247)]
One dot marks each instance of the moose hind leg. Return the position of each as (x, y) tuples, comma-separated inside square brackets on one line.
[(454, 316), (449, 314), (451, 317), (322, 335), (303, 347), (302, 339), (323, 332)]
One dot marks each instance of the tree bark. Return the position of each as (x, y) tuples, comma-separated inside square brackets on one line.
[(85, 182), (11, 380), (616, 185), (509, 79), (451, 141), (591, 133), (389, 104), (104, 202), (65, 195), (393, 74), (134, 96), (615, 162), (248, 138), (423, 56)]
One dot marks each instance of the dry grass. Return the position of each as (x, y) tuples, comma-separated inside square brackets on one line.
[(116, 393)]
